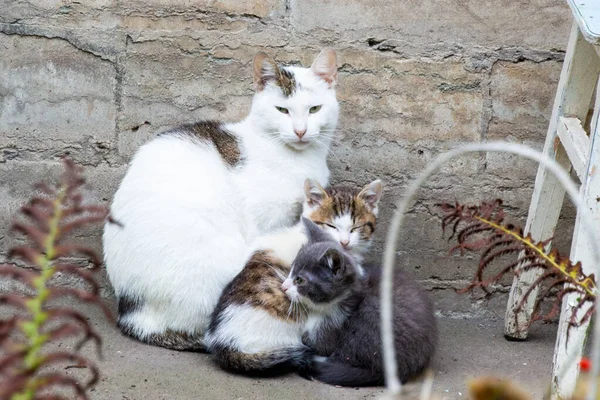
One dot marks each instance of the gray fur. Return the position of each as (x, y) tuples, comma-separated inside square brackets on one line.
[(352, 350), (329, 272)]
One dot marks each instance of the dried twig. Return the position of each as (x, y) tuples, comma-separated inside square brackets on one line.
[(482, 228)]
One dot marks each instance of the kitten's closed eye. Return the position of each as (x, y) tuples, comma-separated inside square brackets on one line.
[(354, 229), (326, 224)]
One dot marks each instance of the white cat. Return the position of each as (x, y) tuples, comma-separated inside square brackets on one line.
[(194, 199)]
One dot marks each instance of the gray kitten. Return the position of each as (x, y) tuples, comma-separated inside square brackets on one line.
[(343, 323)]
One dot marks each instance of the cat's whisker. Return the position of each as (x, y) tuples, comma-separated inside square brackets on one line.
[(329, 134), (334, 132), (338, 143), (329, 137), (295, 310), (327, 148), (275, 140), (277, 272), (303, 306)]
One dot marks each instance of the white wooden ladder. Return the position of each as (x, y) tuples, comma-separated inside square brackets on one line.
[(573, 139)]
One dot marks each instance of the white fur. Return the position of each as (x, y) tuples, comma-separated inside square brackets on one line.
[(252, 330), (332, 314), (188, 220), (283, 244)]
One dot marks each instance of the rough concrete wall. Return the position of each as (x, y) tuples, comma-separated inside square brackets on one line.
[(96, 78)]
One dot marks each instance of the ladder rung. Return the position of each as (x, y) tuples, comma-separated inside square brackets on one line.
[(576, 143)]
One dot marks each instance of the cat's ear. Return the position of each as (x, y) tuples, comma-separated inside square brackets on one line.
[(371, 194), (265, 70), (313, 192), (325, 66), (314, 233), (336, 261)]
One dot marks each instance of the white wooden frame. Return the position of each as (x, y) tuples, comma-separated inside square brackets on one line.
[(573, 97), (570, 145)]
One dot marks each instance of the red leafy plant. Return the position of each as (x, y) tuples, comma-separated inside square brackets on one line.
[(26, 369), (482, 228)]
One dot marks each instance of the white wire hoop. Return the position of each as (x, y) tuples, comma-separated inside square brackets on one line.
[(393, 384)]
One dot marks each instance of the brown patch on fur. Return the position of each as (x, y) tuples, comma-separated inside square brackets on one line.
[(212, 132), (177, 340), (266, 70), (341, 200), (169, 339), (259, 285), (286, 81), (266, 363)]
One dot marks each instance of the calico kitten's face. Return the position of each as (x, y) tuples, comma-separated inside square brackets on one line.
[(296, 105), (348, 215), (322, 272)]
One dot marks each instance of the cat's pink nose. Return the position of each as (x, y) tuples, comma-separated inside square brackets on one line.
[(286, 284), (300, 133), (345, 243)]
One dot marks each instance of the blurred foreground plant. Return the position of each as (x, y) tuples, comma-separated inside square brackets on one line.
[(25, 368)]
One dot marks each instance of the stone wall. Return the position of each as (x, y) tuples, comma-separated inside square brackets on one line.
[(96, 78)]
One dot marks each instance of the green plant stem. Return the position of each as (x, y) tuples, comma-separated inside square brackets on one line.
[(32, 328)]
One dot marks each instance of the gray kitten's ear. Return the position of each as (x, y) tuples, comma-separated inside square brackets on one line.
[(265, 70), (371, 194), (313, 192), (314, 233), (336, 261), (325, 66)]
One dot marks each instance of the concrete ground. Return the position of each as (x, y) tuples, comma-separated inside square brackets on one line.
[(468, 347)]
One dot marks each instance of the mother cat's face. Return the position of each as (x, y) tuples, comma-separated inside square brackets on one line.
[(296, 105)]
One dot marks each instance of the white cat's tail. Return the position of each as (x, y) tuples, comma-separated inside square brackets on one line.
[(168, 338), (266, 363), (180, 341)]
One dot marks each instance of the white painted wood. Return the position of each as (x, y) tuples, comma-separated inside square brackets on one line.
[(565, 372), (587, 16), (576, 143), (573, 96)]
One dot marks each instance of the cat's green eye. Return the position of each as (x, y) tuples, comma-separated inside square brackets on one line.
[(314, 109), (299, 281), (282, 110)]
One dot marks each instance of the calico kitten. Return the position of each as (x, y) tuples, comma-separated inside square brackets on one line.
[(348, 216), (194, 199), (343, 325), (256, 328)]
